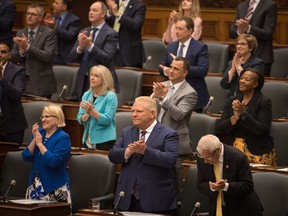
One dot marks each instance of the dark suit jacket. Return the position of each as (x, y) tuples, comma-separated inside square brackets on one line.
[(7, 17), (41, 80), (263, 22), (66, 37), (154, 170), (233, 86), (197, 54), (255, 128), (130, 41), (11, 89), (178, 112), (240, 198), (103, 53)]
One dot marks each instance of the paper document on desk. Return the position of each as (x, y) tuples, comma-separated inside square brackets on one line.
[(140, 214), (257, 165), (30, 201), (283, 169)]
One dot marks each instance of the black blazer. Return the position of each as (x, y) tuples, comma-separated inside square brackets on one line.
[(130, 38), (7, 18), (66, 37), (11, 88), (240, 198), (255, 128), (263, 23)]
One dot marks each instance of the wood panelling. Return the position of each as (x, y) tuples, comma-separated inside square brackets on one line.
[(216, 24)]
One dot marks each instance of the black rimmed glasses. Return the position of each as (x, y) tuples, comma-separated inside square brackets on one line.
[(47, 116)]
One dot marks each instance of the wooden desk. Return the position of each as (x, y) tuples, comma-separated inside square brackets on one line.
[(87, 212), (188, 163), (55, 209)]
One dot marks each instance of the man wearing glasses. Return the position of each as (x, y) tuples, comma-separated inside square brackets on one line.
[(12, 83), (224, 175), (34, 48)]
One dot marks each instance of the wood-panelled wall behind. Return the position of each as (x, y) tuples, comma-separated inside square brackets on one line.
[(216, 24), (216, 21)]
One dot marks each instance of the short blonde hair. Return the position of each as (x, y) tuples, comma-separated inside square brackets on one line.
[(56, 110), (150, 103), (107, 79)]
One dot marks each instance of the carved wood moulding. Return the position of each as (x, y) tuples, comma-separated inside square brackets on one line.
[(282, 4)]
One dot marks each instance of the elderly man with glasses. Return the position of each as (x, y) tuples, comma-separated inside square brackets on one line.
[(224, 175)]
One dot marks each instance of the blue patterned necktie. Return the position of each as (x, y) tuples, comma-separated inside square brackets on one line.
[(84, 67)]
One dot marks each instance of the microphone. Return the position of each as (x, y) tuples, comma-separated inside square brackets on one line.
[(205, 109), (149, 58), (121, 194), (62, 92), (12, 183), (196, 207)]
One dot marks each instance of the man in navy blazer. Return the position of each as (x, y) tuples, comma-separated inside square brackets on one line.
[(235, 184), (196, 52), (130, 50), (147, 175), (67, 28), (94, 51), (7, 18), (12, 84), (261, 24)]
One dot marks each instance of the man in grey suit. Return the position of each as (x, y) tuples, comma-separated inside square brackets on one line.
[(96, 45), (176, 100), (34, 48)]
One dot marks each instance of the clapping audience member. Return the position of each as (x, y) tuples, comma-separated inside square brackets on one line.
[(7, 18), (97, 110), (176, 100), (197, 54), (96, 45), (189, 8), (224, 176), (244, 57), (12, 83), (127, 18), (49, 152), (247, 119), (34, 48), (66, 26), (148, 154), (259, 18)]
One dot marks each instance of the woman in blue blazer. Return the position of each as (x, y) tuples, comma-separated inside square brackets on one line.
[(97, 110), (49, 151)]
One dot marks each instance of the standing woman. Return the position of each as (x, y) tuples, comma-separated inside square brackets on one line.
[(247, 119), (246, 45), (189, 8), (49, 152), (97, 110)]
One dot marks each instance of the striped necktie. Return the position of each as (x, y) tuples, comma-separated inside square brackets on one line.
[(250, 10)]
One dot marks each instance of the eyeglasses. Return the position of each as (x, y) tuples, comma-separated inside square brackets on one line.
[(207, 158), (32, 14), (3, 52), (241, 44), (47, 116)]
